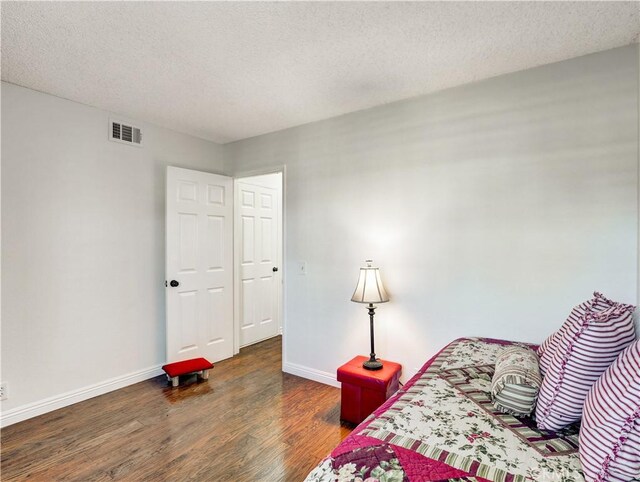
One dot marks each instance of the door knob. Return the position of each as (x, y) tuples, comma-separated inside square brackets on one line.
[(274, 269), (173, 283)]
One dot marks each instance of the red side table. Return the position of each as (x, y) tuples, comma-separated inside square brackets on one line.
[(365, 390)]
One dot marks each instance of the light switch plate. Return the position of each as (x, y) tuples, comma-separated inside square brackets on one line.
[(302, 268)]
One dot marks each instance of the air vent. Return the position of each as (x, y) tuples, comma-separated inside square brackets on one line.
[(125, 133)]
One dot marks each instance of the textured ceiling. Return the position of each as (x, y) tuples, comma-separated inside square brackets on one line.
[(230, 70)]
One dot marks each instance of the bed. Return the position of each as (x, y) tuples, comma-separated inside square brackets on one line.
[(441, 426)]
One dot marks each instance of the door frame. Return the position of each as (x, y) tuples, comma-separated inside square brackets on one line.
[(238, 177)]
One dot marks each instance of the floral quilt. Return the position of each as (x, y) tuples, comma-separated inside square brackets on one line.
[(441, 427)]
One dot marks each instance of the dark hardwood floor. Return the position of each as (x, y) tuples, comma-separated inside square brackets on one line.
[(248, 422)]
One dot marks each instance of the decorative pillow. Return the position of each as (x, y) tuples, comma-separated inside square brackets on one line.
[(546, 350), (610, 430), (549, 346), (516, 381), (585, 349)]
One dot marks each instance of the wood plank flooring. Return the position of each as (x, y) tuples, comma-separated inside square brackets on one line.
[(248, 422)]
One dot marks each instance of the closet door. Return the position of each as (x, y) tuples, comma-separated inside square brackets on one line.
[(259, 271)]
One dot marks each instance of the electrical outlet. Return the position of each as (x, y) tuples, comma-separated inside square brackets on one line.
[(4, 391)]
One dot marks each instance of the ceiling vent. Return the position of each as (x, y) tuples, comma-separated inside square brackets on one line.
[(125, 133)]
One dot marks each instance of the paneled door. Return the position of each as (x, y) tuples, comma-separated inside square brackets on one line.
[(199, 265), (257, 230)]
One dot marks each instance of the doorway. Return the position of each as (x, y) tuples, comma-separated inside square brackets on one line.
[(258, 254), (224, 257)]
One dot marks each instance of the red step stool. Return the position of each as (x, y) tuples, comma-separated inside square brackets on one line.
[(201, 366)]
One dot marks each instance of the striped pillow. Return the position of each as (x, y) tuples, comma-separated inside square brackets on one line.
[(610, 431), (546, 350), (585, 349), (549, 346), (516, 381)]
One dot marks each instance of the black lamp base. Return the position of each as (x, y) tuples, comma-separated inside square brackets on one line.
[(372, 364)]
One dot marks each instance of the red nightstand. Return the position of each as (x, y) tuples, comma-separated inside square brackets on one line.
[(365, 390)]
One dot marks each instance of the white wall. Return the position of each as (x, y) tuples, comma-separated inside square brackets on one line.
[(82, 249), (491, 209), (637, 313)]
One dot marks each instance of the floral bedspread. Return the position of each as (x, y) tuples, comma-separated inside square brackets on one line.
[(442, 427)]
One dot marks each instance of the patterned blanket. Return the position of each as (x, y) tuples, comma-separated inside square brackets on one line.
[(442, 427)]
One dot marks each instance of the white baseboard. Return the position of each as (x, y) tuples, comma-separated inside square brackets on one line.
[(34, 409), (311, 374)]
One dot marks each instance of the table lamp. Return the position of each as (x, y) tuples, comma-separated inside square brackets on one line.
[(370, 290)]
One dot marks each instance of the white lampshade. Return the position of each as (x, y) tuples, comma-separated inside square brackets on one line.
[(370, 288)]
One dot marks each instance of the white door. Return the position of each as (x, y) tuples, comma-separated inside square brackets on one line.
[(257, 230), (199, 265)]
